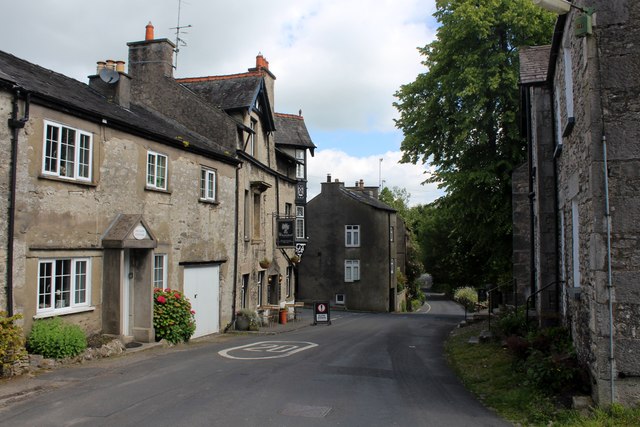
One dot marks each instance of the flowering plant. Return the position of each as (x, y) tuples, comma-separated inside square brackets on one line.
[(173, 318)]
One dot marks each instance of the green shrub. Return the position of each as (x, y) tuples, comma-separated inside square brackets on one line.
[(467, 296), (56, 339), (11, 341), (173, 317), (511, 322)]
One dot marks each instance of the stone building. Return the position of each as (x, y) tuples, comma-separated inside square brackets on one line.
[(577, 224), (271, 184), (352, 254), (132, 182)]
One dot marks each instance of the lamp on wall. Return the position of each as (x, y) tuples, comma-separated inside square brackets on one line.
[(561, 7)]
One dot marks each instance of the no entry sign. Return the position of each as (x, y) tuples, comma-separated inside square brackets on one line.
[(321, 313)]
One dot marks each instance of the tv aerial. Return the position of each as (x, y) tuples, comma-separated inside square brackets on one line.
[(179, 30)]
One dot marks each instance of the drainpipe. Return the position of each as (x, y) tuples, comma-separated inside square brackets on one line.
[(235, 249), (609, 280), (531, 196), (607, 214), (15, 124)]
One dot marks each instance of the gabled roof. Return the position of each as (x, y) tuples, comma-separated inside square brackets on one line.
[(58, 91), (362, 197), (233, 92), (292, 131), (534, 64)]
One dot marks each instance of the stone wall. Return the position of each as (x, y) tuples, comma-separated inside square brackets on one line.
[(606, 105)]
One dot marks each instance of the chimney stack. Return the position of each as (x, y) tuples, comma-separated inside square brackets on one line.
[(149, 32), (112, 82), (261, 62), (328, 177)]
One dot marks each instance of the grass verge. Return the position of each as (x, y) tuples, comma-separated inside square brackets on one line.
[(487, 370)]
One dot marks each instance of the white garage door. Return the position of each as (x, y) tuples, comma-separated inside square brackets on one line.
[(202, 287)]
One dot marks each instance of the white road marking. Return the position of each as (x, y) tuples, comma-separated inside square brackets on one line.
[(266, 350)]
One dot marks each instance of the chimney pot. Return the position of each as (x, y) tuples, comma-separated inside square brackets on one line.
[(328, 177), (361, 183), (149, 32), (261, 62), (111, 64), (100, 66), (120, 66)]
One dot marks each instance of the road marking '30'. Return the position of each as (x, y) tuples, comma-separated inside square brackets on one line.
[(266, 350)]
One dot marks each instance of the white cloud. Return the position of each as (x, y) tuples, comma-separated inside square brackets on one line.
[(349, 169)]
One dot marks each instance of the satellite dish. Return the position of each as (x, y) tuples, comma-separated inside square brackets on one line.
[(109, 76)]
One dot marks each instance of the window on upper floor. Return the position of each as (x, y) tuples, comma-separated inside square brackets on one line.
[(300, 170), (351, 270), (257, 216), (63, 284), (208, 183), (352, 236), (251, 146), (287, 209), (300, 232), (156, 171), (67, 152)]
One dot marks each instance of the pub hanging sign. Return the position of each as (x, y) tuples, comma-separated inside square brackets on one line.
[(286, 236)]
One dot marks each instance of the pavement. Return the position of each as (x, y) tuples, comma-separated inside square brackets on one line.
[(19, 387)]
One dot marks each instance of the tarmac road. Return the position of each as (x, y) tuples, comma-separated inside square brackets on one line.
[(362, 370)]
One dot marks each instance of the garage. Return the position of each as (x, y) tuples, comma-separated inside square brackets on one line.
[(202, 288)]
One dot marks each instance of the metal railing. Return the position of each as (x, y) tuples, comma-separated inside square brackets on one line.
[(533, 295)]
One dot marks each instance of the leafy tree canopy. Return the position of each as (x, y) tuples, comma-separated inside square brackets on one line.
[(460, 116)]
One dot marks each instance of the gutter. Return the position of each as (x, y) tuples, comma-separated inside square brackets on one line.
[(15, 125)]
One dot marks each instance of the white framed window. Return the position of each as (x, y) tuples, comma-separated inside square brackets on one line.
[(63, 284), (160, 271), (300, 164), (244, 291), (156, 170), (259, 283), (251, 147), (208, 183), (352, 236), (340, 299), (300, 222), (351, 270), (575, 242), (67, 152), (289, 280)]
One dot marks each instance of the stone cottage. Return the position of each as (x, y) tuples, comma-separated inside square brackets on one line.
[(353, 249), (132, 182), (575, 201)]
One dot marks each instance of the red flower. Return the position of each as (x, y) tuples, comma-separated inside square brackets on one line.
[(176, 295), (161, 299), (193, 312)]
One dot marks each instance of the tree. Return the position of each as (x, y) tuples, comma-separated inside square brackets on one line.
[(460, 116)]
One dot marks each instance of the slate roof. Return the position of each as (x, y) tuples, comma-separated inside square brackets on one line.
[(226, 92), (534, 64), (61, 92), (292, 131), (363, 197)]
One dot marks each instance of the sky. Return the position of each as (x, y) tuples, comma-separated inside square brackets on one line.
[(339, 61)]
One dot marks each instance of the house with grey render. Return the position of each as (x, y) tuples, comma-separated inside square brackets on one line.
[(576, 200), (135, 181), (352, 255)]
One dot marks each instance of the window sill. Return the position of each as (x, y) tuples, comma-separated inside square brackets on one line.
[(67, 180), (209, 202), (63, 312), (157, 190)]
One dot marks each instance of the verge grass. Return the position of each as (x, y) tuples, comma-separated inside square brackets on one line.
[(488, 370)]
